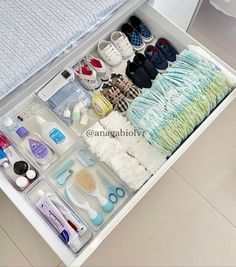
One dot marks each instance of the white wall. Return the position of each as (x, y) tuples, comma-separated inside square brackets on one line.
[(179, 11)]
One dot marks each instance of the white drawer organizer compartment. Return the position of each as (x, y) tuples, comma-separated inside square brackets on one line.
[(160, 26)]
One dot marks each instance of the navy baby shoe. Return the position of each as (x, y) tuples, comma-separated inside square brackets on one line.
[(167, 49), (156, 57), (138, 75), (142, 61), (133, 36), (142, 29)]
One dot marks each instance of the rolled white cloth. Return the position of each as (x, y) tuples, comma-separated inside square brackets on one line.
[(137, 146), (112, 152)]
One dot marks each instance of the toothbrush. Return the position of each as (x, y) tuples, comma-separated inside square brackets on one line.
[(79, 201), (74, 223), (87, 182)]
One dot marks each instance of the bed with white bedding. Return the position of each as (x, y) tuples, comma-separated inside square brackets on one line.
[(34, 32)]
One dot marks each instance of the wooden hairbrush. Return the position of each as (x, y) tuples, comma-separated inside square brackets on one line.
[(86, 181)]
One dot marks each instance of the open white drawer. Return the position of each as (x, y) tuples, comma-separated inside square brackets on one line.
[(160, 26)]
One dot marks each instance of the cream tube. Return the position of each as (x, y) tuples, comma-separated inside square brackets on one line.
[(78, 226), (11, 153), (54, 216)]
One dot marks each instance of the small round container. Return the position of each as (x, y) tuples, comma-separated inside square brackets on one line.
[(8, 122), (31, 174), (21, 167), (22, 182)]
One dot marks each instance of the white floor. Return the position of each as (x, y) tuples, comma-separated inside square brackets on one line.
[(216, 31), (187, 219)]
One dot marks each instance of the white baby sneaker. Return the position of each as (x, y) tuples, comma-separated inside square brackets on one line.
[(109, 53), (122, 44), (87, 75), (99, 66)]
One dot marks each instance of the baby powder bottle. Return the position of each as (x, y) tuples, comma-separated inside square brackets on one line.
[(33, 144), (11, 127), (59, 141)]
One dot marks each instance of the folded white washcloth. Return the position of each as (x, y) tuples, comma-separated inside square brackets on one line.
[(137, 146)]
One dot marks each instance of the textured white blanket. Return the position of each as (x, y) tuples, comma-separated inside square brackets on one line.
[(33, 32)]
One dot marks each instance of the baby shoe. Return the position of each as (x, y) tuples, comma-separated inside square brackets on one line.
[(141, 28), (109, 53), (122, 44), (87, 75), (133, 36), (125, 85), (142, 61), (99, 66), (115, 97), (138, 75), (156, 58), (167, 49)]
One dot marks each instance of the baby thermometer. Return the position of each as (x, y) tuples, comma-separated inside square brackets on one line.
[(63, 78)]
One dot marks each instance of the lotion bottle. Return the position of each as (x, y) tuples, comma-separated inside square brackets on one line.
[(54, 136), (33, 144)]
